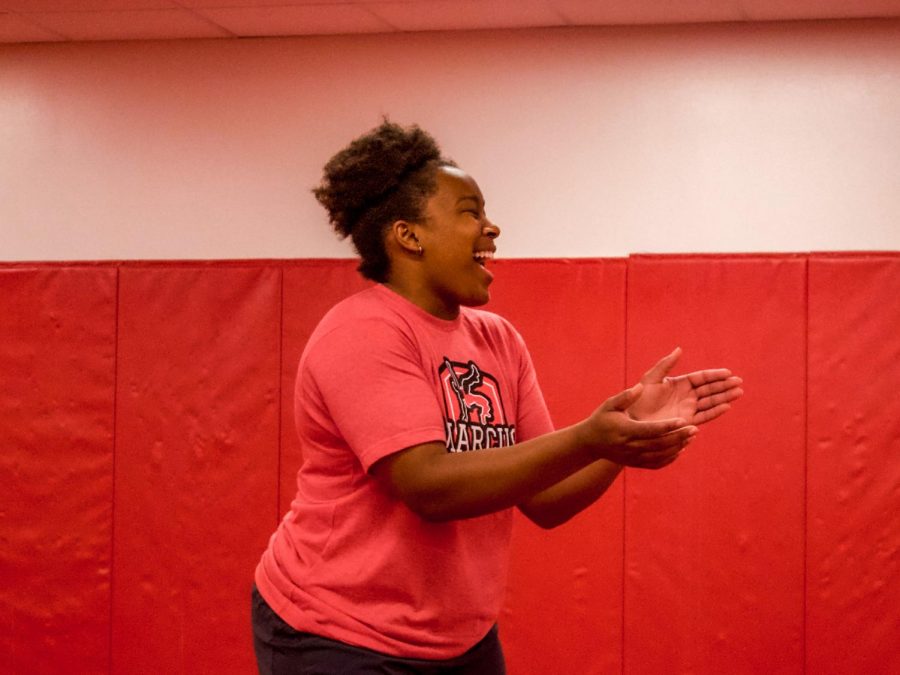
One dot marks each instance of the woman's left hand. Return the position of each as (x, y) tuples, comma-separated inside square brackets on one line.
[(697, 397)]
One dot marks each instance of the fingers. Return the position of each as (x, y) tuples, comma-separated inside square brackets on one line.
[(658, 429), (672, 439), (656, 460), (714, 400), (717, 386), (662, 367), (711, 414), (653, 457), (624, 399), (649, 445), (701, 377)]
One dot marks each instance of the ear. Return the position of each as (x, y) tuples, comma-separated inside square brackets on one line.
[(403, 233)]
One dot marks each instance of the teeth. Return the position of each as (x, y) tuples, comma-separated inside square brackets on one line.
[(483, 255)]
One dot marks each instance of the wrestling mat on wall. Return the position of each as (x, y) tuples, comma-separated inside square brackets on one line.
[(148, 452)]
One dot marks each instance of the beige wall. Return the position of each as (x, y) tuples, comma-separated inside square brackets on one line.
[(586, 142)]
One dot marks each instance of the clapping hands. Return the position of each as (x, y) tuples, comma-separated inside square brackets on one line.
[(649, 424), (697, 397)]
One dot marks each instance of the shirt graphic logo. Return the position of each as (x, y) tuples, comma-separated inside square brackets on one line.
[(475, 418)]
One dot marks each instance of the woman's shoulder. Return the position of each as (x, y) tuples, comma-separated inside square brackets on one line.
[(492, 323), (362, 318), (362, 305)]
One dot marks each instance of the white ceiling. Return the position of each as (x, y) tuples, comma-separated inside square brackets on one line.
[(77, 20)]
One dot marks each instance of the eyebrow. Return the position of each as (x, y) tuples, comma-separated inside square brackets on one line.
[(473, 198)]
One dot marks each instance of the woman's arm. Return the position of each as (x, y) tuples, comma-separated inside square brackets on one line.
[(559, 503), (698, 397), (443, 486)]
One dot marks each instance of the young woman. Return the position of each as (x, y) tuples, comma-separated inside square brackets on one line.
[(423, 425)]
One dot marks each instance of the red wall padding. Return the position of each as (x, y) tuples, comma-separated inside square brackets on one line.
[(564, 604), (57, 391), (714, 543), (196, 463), (147, 430), (853, 561)]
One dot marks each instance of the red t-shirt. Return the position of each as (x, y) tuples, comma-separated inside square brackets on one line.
[(349, 561)]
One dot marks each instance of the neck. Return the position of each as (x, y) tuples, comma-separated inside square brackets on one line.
[(417, 295)]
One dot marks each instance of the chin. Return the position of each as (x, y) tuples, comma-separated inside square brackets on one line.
[(477, 300)]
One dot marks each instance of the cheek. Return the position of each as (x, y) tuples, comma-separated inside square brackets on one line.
[(452, 254)]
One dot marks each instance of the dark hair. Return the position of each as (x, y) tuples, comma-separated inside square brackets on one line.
[(381, 177)]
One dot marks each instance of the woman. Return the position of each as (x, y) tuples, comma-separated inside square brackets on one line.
[(422, 424)]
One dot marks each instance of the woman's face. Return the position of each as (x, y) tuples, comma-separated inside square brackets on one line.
[(457, 241)]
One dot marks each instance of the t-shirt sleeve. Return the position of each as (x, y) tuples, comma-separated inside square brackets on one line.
[(371, 382)]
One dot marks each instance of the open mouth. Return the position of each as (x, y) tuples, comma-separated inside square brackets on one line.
[(481, 257)]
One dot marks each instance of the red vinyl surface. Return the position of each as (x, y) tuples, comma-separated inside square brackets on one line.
[(57, 379), (853, 563), (196, 463), (714, 543), (563, 612), (147, 435)]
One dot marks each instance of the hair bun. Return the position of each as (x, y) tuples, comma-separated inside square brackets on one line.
[(369, 169)]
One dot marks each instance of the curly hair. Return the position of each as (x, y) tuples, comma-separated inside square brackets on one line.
[(383, 176)]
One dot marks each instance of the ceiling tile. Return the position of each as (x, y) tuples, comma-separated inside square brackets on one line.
[(155, 24), (310, 20), (36, 20), (466, 14), (18, 29)]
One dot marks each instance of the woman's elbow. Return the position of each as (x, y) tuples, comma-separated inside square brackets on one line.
[(546, 519)]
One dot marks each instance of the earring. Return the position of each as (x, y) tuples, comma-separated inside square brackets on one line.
[(420, 251)]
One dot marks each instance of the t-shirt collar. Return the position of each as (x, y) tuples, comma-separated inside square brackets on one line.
[(408, 307)]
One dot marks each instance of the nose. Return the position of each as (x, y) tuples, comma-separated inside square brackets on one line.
[(490, 230)]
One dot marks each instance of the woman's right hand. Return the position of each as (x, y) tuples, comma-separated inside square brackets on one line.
[(619, 438)]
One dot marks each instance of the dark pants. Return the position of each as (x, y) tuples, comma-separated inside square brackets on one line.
[(281, 650)]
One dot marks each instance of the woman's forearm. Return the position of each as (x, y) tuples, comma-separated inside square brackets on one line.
[(443, 486), (560, 502)]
